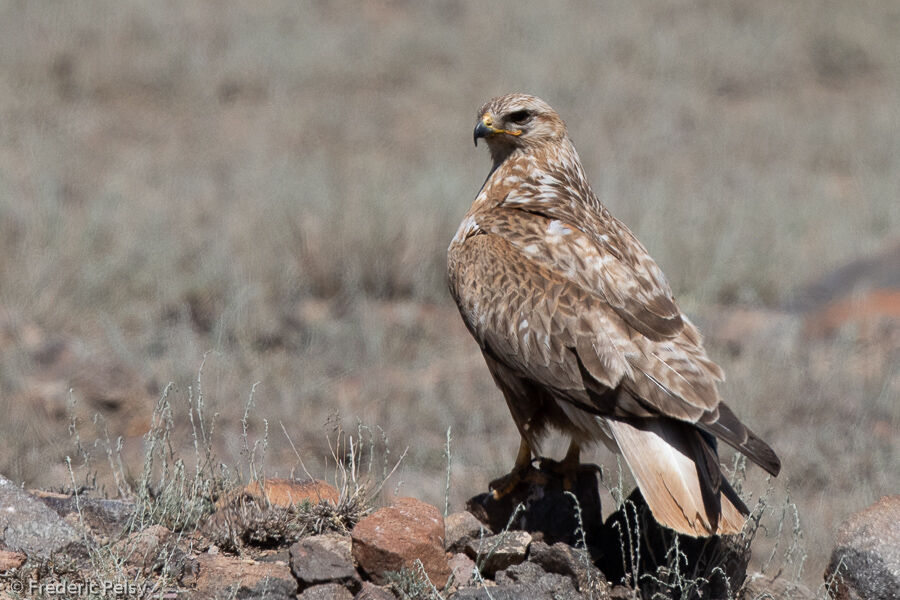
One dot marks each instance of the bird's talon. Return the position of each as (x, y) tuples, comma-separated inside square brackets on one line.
[(528, 474), (502, 486)]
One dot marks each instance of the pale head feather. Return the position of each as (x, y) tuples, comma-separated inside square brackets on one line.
[(535, 120)]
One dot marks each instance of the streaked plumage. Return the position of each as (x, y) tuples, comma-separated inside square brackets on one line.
[(580, 329)]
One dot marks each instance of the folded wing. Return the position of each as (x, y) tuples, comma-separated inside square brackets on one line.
[(534, 292)]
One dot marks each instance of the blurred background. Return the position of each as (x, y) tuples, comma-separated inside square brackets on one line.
[(273, 185)]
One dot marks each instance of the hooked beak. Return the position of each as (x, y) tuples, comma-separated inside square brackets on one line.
[(482, 130)]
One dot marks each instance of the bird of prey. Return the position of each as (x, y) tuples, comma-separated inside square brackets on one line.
[(581, 332)]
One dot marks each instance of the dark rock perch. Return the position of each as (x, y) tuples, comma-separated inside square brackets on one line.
[(630, 541), (548, 511), (634, 540)]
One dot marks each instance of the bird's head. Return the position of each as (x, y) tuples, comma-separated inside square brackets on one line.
[(517, 121)]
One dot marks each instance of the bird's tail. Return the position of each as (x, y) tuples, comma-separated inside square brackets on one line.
[(678, 474)]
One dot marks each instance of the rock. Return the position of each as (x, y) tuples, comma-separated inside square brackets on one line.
[(288, 492), (565, 560), (496, 552), (879, 270), (866, 310), (553, 587), (396, 536), (460, 528), (623, 592), (550, 513), (720, 561), (758, 586), (104, 517), (324, 559), (326, 591), (526, 572), (370, 591), (29, 526), (531, 575), (10, 561), (463, 570), (219, 576), (865, 562), (275, 555), (507, 592), (143, 548)]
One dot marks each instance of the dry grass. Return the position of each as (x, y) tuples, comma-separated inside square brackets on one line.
[(276, 184)]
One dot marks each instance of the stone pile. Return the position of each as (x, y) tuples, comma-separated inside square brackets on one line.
[(406, 549)]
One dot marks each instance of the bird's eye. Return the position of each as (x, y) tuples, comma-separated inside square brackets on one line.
[(520, 116)]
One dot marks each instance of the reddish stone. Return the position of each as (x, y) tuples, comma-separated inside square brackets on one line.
[(288, 492), (866, 309), (215, 576), (394, 537), (326, 591), (142, 548), (497, 552), (370, 591), (10, 560), (463, 569), (460, 528)]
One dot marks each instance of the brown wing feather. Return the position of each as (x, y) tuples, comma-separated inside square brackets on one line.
[(546, 328), (672, 376), (546, 339), (505, 300), (602, 256), (727, 427)]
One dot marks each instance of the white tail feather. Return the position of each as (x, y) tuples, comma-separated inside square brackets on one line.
[(659, 457)]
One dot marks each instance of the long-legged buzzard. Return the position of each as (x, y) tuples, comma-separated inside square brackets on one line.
[(580, 329)]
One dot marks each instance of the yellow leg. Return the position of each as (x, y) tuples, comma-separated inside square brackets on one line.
[(504, 485), (523, 472), (523, 458), (569, 466)]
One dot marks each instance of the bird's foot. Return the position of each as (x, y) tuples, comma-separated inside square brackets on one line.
[(502, 486)]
